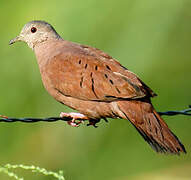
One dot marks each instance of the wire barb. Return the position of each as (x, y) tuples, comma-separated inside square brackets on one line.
[(3, 118)]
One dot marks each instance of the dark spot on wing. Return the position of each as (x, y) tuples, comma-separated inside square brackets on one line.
[(86, 66), (96, 68), (111, 81), (108, 67), (118, 90), (93, 88), (81, 81), (106, 75), (80, 61)]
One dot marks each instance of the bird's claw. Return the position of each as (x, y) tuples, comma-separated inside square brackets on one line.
[(77, 118), (105, 120), (75, 123), (93, 122)]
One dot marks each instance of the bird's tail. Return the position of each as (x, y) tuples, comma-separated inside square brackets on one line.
[(151, 126)]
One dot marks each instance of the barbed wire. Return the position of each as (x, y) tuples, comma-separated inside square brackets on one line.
[(186, 112), (3, 118), (33, 120)]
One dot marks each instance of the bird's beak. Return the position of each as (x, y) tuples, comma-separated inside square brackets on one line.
[(16, 39)]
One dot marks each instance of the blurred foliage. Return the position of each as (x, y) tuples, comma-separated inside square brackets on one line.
[(6, 170), (151, 38)]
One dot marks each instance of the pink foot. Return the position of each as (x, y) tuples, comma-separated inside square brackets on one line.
[(2, 116), (75, 116)]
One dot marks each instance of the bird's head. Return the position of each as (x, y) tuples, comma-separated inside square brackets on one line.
[(35, 32)]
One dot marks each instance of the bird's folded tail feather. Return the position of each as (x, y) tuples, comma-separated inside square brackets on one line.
[(151, 126)]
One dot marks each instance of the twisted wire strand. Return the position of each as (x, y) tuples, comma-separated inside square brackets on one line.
[(33, 120), (186, 112), (3, 118)]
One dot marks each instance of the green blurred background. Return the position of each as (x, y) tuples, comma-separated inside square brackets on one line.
[(151, 38)]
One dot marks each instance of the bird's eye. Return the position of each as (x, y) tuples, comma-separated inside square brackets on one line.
[(33, 29)]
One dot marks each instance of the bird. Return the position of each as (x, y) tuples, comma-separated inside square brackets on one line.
[(90, 81)]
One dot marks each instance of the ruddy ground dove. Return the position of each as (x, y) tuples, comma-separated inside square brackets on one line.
[(96, 85)]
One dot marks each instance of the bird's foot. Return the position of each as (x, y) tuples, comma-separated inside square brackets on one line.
[(77, 118), (2, 116), (93, 122)]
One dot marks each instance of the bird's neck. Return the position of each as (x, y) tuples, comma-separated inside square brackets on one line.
[(44, 51)]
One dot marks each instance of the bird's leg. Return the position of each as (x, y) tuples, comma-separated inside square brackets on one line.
[(77, 118)]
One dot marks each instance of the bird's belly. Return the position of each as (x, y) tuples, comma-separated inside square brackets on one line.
[(92, 109)]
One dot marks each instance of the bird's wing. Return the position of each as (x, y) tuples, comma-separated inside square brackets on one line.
[(89, 74), (123, 70)]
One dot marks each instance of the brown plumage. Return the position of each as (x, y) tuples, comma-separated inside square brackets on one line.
[(93, 83)]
